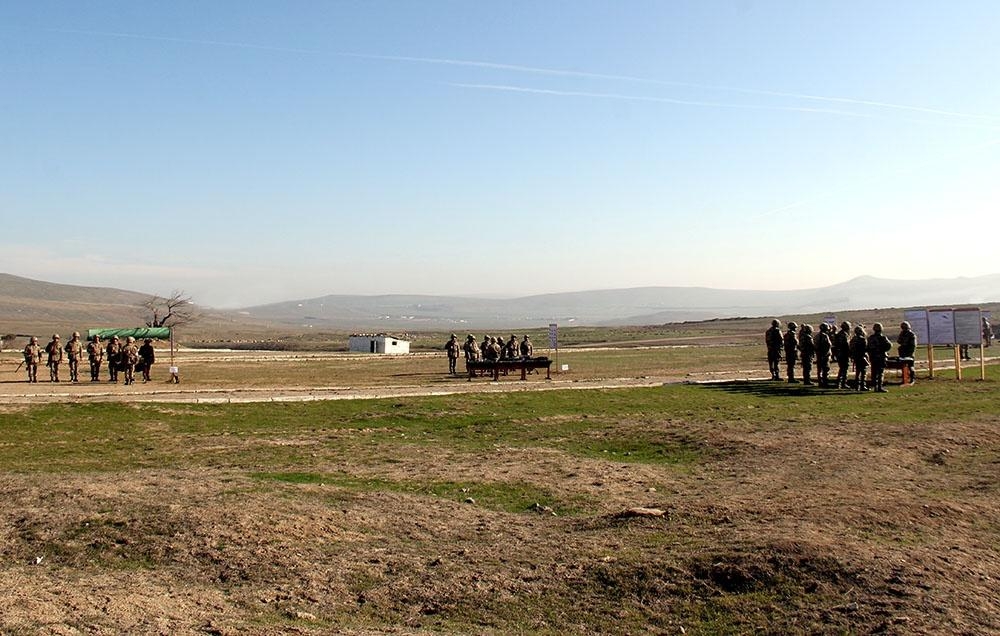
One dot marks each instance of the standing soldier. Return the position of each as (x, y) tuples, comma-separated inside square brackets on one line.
[(114, 351), (906, 346), (823, 347), (512, 348), (147, 356), (526, 348), (129, 355), (95, 354), (842, 353), (55, 351), (32, 356), (807, 351), (471, 349), (772, 338), (859, 355), (453, 349), (74, 352), (878, 350), (791, 350), (987, 333), (484, 346)]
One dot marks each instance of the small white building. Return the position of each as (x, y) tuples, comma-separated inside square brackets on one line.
[(377, 343)]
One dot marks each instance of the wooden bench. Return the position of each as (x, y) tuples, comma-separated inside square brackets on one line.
[(496, 367)]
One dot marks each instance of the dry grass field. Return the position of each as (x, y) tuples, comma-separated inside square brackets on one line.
[(498, 508)]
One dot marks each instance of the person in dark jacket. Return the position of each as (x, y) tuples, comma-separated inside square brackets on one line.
[(773, 342), (859, 355), (807, 351), (878, 350), (823, 348), (791, 342), (842, 353), (147, 356), (906, 346)]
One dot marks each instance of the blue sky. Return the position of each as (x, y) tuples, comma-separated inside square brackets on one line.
[(252, 152)]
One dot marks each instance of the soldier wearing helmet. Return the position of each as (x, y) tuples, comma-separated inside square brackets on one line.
[(32, 356), (147, 356), (842, 353), (74, 351), (791, 343), (129, 358), (95, 354), (114, 350), (453, 348), (55, 357), (471, 349), (906, 347), (773, 342), (823, 347), (878, 350), (526, 348), (807, 351), (859, 355)]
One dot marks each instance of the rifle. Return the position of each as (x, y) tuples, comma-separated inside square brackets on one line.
[(19, 366)]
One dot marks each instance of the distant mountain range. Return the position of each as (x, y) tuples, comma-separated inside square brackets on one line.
[(27, 302), (637, 306)]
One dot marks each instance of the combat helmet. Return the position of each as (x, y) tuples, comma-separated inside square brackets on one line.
[(877, 327), (823, 327), (793, 325), (775, 323)]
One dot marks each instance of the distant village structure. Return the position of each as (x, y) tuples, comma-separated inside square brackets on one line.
[(377, 343)]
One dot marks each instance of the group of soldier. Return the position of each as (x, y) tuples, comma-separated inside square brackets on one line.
[(121, 357), (846, 347), (491, 349)]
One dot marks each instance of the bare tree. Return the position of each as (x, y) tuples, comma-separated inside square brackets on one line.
[(174, 310)]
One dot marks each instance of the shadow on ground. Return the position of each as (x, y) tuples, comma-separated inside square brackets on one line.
[(770, 388)]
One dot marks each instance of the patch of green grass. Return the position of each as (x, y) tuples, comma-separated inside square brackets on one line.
[(502, 496)]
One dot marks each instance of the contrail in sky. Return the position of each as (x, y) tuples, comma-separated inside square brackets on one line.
[(543, 71), (663, 100)]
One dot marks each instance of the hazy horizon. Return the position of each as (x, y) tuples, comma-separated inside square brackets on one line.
[(255, 154)]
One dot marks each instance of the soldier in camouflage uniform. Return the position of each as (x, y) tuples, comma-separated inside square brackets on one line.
[(842, 353), (807, 351), (55, 351), (859, 355), (113, 350), (526, 348), (95, 354), (791, 343), (823, 348), (471, 349), (773, 341), (74, 353), (129, 358), (484, 346), (512, 348), (453, 349), (493, 350), (878, 350), (906, 346), (32, 356)]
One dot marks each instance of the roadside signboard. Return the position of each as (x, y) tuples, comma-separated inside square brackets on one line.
[(918, 324), (553, 335), (968, 327), (941, 327)]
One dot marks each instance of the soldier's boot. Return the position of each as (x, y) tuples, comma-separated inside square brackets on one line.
[(805, 377)]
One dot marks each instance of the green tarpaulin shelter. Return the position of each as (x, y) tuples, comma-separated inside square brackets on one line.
[(139, 333)]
